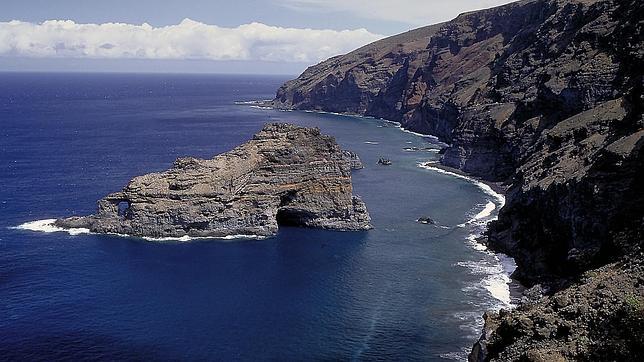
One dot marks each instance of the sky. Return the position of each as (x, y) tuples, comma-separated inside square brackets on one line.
[(203, 36)]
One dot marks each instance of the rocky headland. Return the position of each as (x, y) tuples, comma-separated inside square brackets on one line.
[(544, 96), (285, 175)]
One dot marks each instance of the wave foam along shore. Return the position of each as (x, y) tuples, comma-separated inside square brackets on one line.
[(497, 282), (499, 198), (48, 226), (495, 272), (482, 216)]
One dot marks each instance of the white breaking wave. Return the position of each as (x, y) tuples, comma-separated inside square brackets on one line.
[(482, 216), (500, 199), (371, 142), (495, 269), (457, 356), (260, 101), (261, 104), (417, 134), (399, 126), (326, 112), (486, 212), (495, 279), (471, 241), (47, 226)]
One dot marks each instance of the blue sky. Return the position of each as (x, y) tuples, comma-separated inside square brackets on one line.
[(247, 36), (169, 12)]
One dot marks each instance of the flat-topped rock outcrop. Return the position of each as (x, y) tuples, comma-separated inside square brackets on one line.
[(285, 175)]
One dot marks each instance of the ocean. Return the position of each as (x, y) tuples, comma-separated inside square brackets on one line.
[(402, 291)]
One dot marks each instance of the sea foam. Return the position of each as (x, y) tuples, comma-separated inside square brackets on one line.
[(48, 226), (495, 277), (486, 212), (494, 269), (500, 199)]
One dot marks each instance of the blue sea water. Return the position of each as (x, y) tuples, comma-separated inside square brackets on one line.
[(402, 291)]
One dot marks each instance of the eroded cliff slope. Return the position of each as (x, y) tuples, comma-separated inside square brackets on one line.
[(285, 175)]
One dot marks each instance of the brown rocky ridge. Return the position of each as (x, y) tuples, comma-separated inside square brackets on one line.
[(285, 175), (544, 96)]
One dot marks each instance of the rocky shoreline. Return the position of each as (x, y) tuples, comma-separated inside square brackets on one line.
[(544, 97), (285, 175)]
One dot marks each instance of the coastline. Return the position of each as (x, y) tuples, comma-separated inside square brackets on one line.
[(48, 226), (570, 162), (463, 320), (496, 186), (496, 279), (495, 189)]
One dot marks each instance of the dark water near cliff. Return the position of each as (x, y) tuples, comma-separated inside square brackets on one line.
[(402, 291)]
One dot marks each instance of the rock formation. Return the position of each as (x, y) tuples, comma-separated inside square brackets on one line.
[(285, 175), (598, 318), (543, 95), (354, 160)]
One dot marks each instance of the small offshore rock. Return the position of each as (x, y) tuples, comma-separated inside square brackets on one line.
[(426, 220), (354, 160)]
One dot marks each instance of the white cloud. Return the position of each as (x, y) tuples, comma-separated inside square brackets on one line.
[(187, 40), (413, 12)]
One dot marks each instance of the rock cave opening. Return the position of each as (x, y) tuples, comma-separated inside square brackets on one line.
[(290, 216), (123, 208), (294, 217)]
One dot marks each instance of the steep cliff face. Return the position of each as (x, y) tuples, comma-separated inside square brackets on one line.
[(285, 175), (582, 184), (543, 95), (365, 81)]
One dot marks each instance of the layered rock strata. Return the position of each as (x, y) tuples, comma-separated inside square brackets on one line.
[(285, 175)]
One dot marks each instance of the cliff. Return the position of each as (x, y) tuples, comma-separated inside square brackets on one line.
[(542, 95), (599, 317), (285, 175)]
